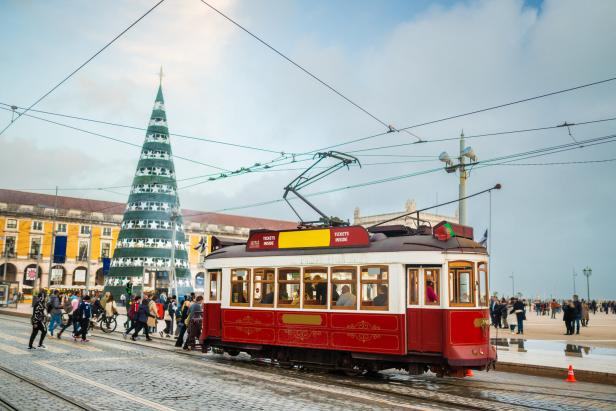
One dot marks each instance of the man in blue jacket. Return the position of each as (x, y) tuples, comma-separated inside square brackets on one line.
[(84, 313)]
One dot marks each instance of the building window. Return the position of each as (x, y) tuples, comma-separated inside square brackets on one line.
[(84, 229), (374, 288), (214, 281), (61, 228), (484, 293), (35, 247), (106, 231), (413, 286), (431, 286), (83, 251), (37, 226), (105, 249), (344, 288), (289, 287), (263, 287), (461, 284), (315, 288), (11, 224), (240, 286), (9, 246)]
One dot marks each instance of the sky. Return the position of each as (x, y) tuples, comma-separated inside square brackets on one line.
[(404, 62)]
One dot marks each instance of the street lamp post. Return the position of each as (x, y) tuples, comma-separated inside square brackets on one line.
[(450, 167), (173, 285), (574, 275), (512, 285), (587, 272)]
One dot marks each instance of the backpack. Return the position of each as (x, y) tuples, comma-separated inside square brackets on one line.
[(49, 306), (68, 307), (131, 312), (78, 313)]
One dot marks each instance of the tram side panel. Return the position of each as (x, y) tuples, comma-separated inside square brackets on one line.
[(425, 330), (467, 341)]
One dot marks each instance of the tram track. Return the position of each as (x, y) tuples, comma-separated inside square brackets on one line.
[(40, 387), (479, 395)]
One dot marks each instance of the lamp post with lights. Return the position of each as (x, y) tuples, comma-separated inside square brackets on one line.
[(587, 272), (451, 167)]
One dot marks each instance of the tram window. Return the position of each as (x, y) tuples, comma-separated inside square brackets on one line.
[(240, 286), (431, 286), (374, 288), (344, 288), (484, 294), (263, 288), (214, 278), (461, 284), (315, 288), (413, 285), (289, 287)]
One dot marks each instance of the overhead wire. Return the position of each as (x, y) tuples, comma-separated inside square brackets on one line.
[(484, 163), (497, 133), (297, 65), (482, 110), (108, 123), (82, 65)]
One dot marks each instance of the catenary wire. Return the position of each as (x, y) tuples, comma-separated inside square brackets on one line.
[(281, 54), (469, 113), (484, 163), (82, 65), (108, 123), (498, 133)]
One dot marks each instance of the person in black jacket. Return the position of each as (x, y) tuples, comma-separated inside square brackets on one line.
[(520, 314), (498, 312), (568, 316), (182, 316), (38, 320), (577, 313)]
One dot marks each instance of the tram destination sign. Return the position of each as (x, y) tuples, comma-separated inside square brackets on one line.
[(354, 236)]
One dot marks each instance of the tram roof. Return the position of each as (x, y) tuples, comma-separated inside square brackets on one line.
[(386, 245)]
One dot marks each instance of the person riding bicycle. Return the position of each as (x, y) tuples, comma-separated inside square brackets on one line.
[(111, 308)]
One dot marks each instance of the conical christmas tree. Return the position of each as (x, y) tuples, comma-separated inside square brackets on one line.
[(144, 245)]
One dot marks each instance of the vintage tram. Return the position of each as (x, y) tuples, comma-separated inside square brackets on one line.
[(346, 298)]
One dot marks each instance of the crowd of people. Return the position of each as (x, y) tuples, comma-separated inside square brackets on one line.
[(152, 314), (576, 312)]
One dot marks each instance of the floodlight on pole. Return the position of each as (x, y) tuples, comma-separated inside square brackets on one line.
[(587, 273), (451, 167)]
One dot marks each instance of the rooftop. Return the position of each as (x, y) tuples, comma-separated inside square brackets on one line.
[(112, 207)]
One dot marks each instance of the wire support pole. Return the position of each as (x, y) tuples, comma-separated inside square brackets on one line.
[(173, 284)]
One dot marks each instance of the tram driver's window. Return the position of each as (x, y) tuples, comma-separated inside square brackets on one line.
[(289, 287), (484, 293), (461, 284), (431, 286), (263, 288), (413, 285), (374, 288), (214, 278), (344, 288), (315, 288), (240, 286)]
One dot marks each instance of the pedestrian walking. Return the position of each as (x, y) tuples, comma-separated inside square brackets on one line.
[(568, 316), (84, 314), (131, 314), (182, 322), (123, 300), (152, 313), (67, 306), (585, 314), (141, 317), (520, 314), (503, 307), (195, 320), (577, 313), (172, 307), (55, 310), (38, 320), (511, 317)]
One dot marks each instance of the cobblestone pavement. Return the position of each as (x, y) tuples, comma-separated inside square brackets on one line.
[(108, 373)]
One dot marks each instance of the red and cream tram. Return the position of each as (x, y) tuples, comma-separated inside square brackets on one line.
[(344, 298)]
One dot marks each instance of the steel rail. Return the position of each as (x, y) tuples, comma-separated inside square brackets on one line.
[(43, 387)]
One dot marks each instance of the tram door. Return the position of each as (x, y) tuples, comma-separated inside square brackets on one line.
[(424, 316), (212, 325)]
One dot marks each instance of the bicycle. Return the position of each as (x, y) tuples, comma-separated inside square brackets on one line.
[(107, 324)]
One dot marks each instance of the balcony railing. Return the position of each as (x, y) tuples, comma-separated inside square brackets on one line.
[(82, 258), (8, 254), (34, 256)]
